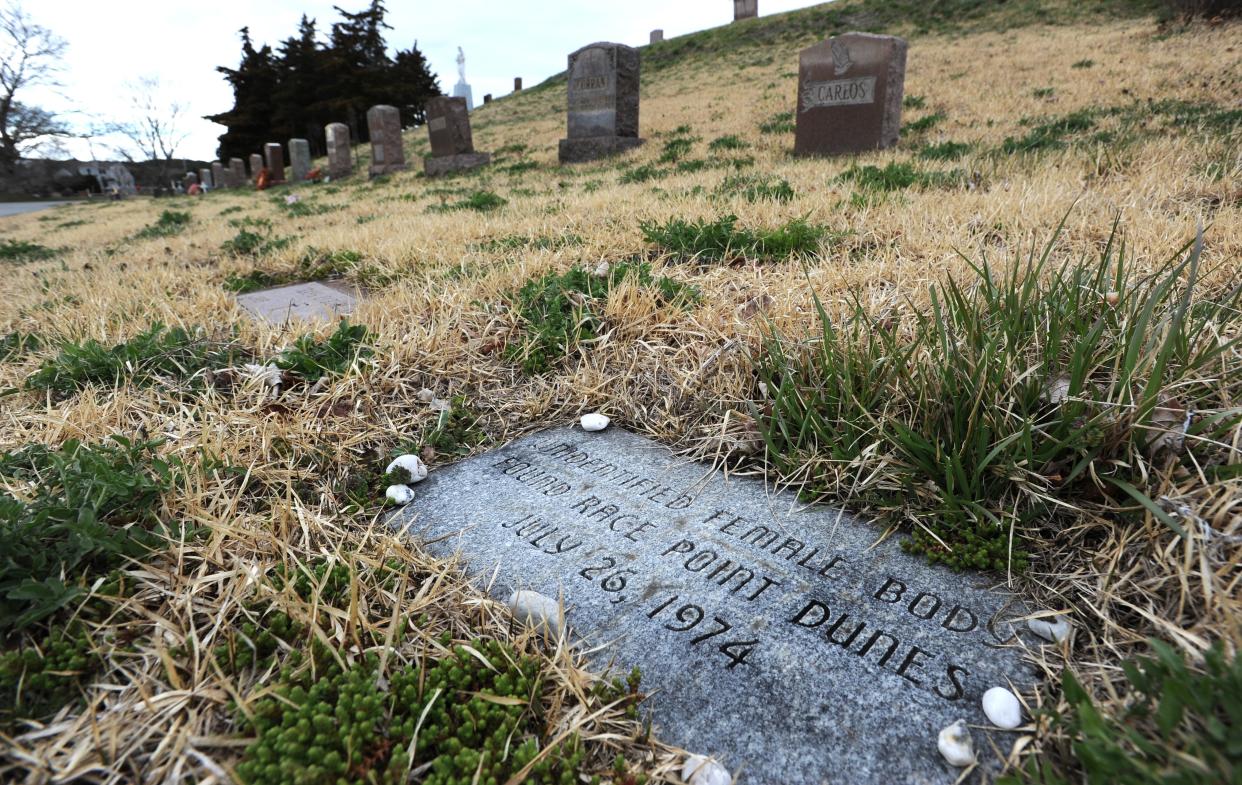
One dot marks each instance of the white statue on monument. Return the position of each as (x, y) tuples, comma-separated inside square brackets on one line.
[(462, 89)]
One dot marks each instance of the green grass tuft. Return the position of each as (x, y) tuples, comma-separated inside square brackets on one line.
[(170, 222), (312, 358), (757, 188), (22, 252), (723, 240)]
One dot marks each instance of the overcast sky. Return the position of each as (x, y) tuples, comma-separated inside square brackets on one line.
[(182, 41)]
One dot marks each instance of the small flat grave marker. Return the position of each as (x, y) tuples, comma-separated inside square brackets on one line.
[(452, 145), (314, 301), (849, 94), (787, 643)]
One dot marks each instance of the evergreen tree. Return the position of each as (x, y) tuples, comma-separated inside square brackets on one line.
[(306, 83)]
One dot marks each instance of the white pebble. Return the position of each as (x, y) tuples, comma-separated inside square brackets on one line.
[(399, 494), (426, 395), (700, 770), (1002, 708), (956, 745), (1055, 629), (270, 374), (602, 270), (537, 610), (594, 422), (412, 464)]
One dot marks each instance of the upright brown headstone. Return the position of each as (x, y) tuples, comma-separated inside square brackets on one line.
[(517, 84), (275, 156), (487, 98), (340, 155), (237, 173), (387, 153), (217, 175), (603, 102), (256, 164), (657, 36), (452, 144), (745, 9), (849, 94)]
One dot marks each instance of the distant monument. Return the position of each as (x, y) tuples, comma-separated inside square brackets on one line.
[(237, 173), (849, 94), (340, 156), (275, 156), (517, 84), (387, 153), (118, 177), (603, 102), (745, 9), (217, 175), (256, 165), (452, 145), (462, 89), (299, 159), (657, 36)]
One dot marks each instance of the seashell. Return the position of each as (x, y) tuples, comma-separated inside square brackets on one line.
[(537, 610), (1055, 629), (400, 495), (700, 770), (1002, 708), (594, 422), (412, 464), (956, 745)]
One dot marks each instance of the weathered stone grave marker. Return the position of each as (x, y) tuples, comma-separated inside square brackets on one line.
[(849, 94), (656, 36), (217, 175), (256, 165), (517, 84), (487, 98), (790, 642), (452, 144), (314, 301), (237, 173), (204, 179), (299, 159), (190, 179), (275, 162), (745, 9), (602, 102), (387, 153), (340, 155)]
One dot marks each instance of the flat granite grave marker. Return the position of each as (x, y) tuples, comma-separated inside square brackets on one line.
[(602, 102), (745, 9), (314, 301), (849, 94), (452, 144), (299, 159), (217, 175), (340, 155), (387, 152), (275, 162), (256, 166), (796, 644)]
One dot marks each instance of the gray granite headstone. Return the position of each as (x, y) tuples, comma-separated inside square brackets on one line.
[(849, 94), (275, 162), (204, 179), (656, 36), (602, 94), (796, 644), (452, 144), (387, 152), (745, 9), (340, 154), (299, 159), (256, 165), (237, 173), (315, 301), (217, 175)]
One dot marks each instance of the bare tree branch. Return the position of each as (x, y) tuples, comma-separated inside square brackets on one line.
[(157, 129), (29, 55)]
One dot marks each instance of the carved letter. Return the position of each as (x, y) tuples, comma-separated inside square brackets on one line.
[(909, 661), (875, 636), (885, 588), (811, 605), (948, 622), (919, 598), (958, 689), (685, 546)]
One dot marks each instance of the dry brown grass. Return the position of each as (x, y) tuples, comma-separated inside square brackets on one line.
[(665, 372)]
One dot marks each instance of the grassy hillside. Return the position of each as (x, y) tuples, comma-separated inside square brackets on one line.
[(1000, 338)]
